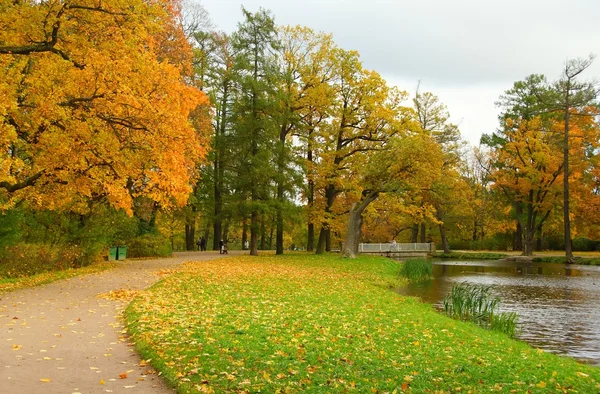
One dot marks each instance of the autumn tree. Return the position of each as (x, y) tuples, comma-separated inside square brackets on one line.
[(359, 119), (408, 163), (535, 130), (572, 98), (94, 105), (434, 120), (303, 96)]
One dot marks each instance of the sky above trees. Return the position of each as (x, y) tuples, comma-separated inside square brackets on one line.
[(466, 52)]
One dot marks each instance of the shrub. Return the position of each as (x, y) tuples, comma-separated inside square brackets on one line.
[(474, 303), (29, 259), (148, 245), (416, 269)]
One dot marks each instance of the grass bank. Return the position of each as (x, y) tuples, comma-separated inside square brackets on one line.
[(470, 255), (11, 284), (562, 259), (322, 324)]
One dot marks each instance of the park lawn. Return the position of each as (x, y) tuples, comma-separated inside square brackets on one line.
[(11, 284), (323, 324)]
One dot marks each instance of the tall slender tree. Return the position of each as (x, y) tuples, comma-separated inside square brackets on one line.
[(573, 97), (255, 43)]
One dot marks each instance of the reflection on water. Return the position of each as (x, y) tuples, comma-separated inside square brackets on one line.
[(558, 305)]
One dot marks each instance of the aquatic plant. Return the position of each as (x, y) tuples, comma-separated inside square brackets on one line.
[(474, 303), (416, 269)]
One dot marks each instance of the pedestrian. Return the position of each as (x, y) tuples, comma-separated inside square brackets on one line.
[(221, 244), (202, 244), (199, 243)]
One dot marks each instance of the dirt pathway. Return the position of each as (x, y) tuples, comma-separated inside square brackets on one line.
[(67, 337)]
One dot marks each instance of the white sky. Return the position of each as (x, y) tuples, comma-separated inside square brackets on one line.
[(467, 52)]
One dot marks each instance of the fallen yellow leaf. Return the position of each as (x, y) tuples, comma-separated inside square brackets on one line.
[(45, 380)]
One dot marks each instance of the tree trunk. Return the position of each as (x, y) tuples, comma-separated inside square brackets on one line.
[(254, 233), (263, 234), (244, 233), (414, 235), (539, 240), (566, 217), (280, 189), (518, 241), (443, 238), (321, 244), (353, 229), (190, 236), (528, 244), (353, 233), (310, 243), (218, 169), (423, 235), (325, 234)]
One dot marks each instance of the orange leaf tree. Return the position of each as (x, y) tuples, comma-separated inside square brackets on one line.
[(93, 104)]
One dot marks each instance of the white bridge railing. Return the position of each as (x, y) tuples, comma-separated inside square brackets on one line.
[(397, 247)]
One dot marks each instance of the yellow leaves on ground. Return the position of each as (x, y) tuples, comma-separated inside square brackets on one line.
[(45, 380), (295, 323), (120, 294)]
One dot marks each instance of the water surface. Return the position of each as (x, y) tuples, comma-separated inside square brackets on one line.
[(558, 305)]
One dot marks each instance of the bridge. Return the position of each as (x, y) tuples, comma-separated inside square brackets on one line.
[(398, 249)]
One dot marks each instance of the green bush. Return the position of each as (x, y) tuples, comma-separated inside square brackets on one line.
[(30, 259), (148, 245), (474, 303), (416, 269)]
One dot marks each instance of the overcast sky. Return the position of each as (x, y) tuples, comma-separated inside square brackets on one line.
[(466, 52)]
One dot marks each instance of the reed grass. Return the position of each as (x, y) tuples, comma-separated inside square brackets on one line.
[(474, 303), (416, 269)]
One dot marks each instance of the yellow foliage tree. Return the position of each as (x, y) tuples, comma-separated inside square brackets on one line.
[(93, 104)]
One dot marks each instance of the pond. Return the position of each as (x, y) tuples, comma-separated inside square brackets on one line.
[(558, 305)]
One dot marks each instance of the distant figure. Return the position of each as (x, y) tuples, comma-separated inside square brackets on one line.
[(202, 244), (246, 245), (393, 244), (221, 246), (199, 243)]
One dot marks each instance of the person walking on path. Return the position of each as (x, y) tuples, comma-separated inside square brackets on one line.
[(68, 336), (202, 244)]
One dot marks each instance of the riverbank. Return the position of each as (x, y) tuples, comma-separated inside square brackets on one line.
[(322, 323), (582, 258)]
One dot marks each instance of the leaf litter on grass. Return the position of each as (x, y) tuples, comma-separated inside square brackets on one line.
[(294, 323)]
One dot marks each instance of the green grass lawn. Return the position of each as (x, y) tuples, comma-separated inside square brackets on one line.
[(322, 324)]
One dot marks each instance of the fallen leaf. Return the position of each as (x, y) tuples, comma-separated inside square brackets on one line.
[(45, 380), (123, 376)]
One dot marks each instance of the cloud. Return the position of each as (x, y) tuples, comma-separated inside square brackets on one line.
[(468, 51)]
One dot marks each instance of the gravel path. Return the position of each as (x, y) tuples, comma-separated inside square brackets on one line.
[(68, 336)]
